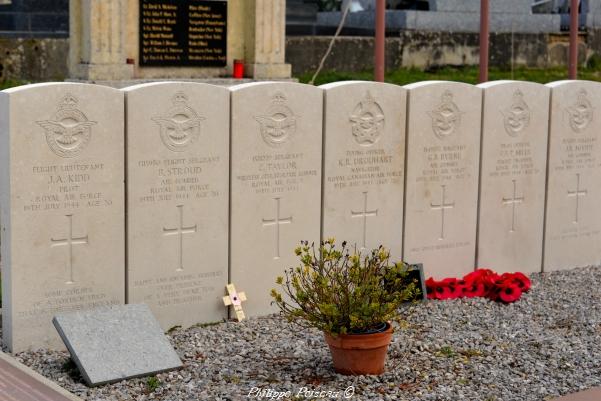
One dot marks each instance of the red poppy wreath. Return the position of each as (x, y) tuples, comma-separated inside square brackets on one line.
[(507, 287)]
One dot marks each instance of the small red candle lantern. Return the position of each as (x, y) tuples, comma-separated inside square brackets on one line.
[(238, 69)]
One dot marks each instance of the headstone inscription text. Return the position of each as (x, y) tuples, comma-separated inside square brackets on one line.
[(443, 148), (573, 220), (364, 160), (178, 168), (512, 176), (183, 33), (63, 234)]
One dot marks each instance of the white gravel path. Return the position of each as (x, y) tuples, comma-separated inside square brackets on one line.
[(545, 345)]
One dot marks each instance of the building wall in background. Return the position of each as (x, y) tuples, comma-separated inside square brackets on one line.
[(44, 59)]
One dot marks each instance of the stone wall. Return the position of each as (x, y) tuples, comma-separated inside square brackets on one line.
[(33, 59), (42, 59), (432, 49)]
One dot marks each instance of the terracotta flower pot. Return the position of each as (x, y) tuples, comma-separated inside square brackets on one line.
[(360, 354)]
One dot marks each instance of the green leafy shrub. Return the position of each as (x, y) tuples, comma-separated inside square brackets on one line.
[(342, 291)]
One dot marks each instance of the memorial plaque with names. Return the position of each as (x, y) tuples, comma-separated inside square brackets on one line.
[(179, 33), (573, 217), (443, 148), (512, 176), (62, 203)]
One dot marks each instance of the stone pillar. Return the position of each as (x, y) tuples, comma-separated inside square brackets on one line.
[(265, 39), (97, 42)]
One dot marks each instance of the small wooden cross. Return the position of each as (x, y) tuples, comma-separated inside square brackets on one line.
[(235, 298)]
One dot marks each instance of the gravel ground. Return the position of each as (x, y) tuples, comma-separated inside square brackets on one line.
[(545, 345)]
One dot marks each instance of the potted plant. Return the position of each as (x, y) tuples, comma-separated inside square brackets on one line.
[(350, 296)]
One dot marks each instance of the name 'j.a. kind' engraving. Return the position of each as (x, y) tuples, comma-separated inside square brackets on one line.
[(69, 131)]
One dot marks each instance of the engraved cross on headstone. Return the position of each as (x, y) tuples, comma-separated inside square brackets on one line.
[(442, 207), (277, 222), (69, 242), (513, 201), (364, 215), (180, 232), (577, 194)]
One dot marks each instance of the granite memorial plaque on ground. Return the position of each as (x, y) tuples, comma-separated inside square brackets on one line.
[(573, 215), (512, 176), (364, 161), (115, 343), (443, 147), (62, 197), (183, 33), (177, 185), (276, 150)]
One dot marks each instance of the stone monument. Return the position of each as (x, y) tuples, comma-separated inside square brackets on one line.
[(512, 176), (115, 40), (177, 181), (62, 203), (443, 155)]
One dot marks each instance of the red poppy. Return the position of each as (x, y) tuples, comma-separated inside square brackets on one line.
[(480, 283), (430, 288), (509, 293), (474, 289), (445, 289), (443, 292), (520, 280)]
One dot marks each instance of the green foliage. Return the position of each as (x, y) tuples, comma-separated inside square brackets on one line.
[(594, 62), (404, 76), (11, 83), (152, 383), (340, 291), (446, 351)]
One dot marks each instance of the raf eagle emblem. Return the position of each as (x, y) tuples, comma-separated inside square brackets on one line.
[(279, 123), (180, 126), (517, 116), (69, 132), (446, 117)]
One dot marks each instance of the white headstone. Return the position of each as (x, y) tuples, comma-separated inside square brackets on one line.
[(61, 180), (177, 184), (276, 150), (443, 147), (512, 176), (364, 162), (573, 217)]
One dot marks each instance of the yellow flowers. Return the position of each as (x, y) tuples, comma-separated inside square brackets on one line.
[(340, 290)]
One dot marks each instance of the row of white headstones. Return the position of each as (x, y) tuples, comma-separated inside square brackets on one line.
[(162, 193)]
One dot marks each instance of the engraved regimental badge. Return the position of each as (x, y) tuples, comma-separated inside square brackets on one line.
[(517, 117), (367, 121), (69, 131), (279, 123), (446, 117), (180, 126), (581, 112)]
